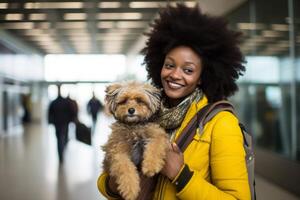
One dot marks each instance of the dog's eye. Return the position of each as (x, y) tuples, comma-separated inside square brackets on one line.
[(139, 100), (122, 101)]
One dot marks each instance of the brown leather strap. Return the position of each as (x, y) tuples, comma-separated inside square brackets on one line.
[(189, 131), (200, 119)]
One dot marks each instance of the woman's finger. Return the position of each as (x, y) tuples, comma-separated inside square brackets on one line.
[(175, 148)]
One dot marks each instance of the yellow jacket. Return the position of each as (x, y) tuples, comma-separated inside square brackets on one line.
[(216, 158)]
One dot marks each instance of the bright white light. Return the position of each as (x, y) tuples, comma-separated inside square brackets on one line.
[(84, 67), (267, 66), (14, 16), (109, 5), (3, 5), (146, 4), (37, 16), (75, 16), (53, 5), (111, 16)]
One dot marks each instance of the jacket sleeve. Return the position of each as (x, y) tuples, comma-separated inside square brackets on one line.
[(229, 178), (101, 184)]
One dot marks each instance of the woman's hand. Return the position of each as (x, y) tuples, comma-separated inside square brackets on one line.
[(174, 162)]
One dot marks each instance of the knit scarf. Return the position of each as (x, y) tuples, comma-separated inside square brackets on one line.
[(171, 118)]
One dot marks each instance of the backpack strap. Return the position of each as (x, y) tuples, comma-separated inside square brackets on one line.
[(189, 131), (199, 120)]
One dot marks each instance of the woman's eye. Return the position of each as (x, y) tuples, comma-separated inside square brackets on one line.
[(168, 65), (188, 70)]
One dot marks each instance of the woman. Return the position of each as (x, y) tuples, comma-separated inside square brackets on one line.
[(195, 59)]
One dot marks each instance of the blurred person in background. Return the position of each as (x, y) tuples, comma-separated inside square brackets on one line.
[(60, 114), (94, 106), (74, 109), (26, 104)]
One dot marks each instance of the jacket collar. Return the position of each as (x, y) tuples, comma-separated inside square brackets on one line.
[(193, 109)]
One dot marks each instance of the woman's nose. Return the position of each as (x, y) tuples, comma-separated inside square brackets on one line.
[(175, 74)]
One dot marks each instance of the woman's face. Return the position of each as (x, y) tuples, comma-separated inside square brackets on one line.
[(180, 73)]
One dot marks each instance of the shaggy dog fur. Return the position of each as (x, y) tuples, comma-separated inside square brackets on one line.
[(136, 142)]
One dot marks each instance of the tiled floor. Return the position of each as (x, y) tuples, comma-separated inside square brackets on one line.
[(29, 168)]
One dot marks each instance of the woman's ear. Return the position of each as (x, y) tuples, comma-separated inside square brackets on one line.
[(199, 82)]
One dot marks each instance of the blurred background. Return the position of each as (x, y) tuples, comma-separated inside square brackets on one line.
[(85, 45)]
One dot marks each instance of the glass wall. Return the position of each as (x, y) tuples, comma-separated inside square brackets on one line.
[(268, 101), (296, 35)]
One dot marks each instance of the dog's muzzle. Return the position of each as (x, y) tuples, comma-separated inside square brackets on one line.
[(131, 111)]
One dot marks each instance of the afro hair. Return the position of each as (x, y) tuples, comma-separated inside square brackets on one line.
[(208, 36)]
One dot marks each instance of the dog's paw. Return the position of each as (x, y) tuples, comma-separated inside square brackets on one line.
[(129, 186), (151, 168)]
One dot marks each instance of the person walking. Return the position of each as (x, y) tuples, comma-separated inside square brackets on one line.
[(60, 114), (94, 106)]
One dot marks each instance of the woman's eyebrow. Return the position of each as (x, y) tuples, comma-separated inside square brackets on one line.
[(170, 58), (190, 62)]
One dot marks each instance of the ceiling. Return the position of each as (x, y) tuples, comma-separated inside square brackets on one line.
[(79, 27), (86, 27)]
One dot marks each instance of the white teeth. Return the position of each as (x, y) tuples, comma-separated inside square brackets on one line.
[(174, 85)]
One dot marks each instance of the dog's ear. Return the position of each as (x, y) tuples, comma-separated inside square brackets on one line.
[(154, 95), (111, 92)]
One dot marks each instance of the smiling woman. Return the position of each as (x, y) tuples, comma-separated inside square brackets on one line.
[(194, 59)]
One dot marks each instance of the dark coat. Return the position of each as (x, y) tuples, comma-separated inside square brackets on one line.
[(94, 106), (60, 112)]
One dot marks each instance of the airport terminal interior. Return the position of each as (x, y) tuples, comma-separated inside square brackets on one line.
[(83, 46)]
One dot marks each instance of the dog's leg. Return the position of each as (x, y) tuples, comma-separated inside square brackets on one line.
[(126, 175), (155, 150)]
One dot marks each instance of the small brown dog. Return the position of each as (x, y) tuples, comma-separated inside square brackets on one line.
[(135, 142)]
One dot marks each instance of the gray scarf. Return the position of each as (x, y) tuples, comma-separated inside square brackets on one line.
[(171, 118)]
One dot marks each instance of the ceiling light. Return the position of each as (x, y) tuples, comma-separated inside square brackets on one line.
[(124, 16), (3, 5), (187, 3), (280, 27), (268, 33), (190, 3), (75, 16), (106, 25), (37, 16), (130, 24), (53, 5), (109, 5), (14, 16), (251, 26), (145, 4)]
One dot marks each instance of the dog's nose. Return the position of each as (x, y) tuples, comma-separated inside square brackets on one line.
[(131, 110)]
